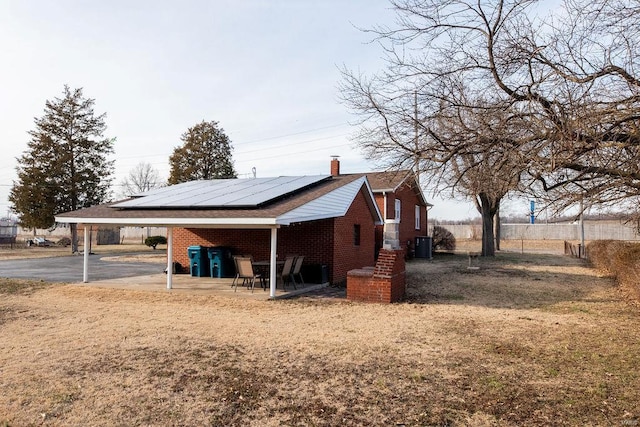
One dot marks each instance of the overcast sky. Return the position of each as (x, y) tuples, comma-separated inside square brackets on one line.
[(267, 71)]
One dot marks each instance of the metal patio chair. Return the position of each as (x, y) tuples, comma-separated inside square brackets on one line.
[(246, 273), (285, 274), (297, 265)]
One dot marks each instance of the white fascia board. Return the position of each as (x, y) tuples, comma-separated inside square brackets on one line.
[(176, 222), (288, 220), (375, 205)]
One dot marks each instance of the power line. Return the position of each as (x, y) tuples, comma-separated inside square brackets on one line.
[(288, 135), (295, 153)]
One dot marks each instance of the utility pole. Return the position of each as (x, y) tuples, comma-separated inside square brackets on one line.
[(582, 251), (415, 137)]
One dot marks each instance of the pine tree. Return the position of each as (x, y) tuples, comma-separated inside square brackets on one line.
[(65, 166), (205, 154)]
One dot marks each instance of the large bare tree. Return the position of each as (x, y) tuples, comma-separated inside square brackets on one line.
[(568, 81), (141, 178)]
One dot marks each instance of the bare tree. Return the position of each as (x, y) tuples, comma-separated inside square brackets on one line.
[(143, 177), (465, 142), (567, 81)]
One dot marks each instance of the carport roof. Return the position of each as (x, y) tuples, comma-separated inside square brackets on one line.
[(324, 198)]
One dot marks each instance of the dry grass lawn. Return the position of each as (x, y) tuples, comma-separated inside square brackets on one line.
[(524, 340)]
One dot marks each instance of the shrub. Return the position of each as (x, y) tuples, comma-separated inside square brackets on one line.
[(154, 241), (443, 239), (65, 241), (620, 260)]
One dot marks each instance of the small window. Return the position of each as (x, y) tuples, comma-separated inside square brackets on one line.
[(417, 217), (398, 210), (356, 234)]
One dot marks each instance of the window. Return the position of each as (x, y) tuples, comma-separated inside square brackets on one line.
[(356, 234), (398, 210), (417, 217)]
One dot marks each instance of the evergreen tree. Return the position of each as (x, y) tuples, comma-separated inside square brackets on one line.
[(65, 166), (205, 154)]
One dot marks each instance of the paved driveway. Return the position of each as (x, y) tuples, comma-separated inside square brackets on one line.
[(68, 269)]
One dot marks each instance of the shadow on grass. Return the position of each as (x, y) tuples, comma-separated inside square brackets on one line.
[(508, 280)]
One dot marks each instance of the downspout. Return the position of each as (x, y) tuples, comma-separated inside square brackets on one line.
[(384, 216)]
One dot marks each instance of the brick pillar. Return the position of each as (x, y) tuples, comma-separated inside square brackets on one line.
[(385, 283)]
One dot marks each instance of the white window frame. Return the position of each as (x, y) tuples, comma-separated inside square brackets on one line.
[(417, 213), (398, 210)]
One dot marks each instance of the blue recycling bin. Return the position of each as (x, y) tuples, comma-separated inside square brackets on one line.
[(221, 262), (198, 261)]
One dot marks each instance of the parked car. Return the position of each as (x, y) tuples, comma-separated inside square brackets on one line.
[(39, 241)]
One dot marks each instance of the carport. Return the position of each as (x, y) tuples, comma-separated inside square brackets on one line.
[(238, 204), (170, 258)]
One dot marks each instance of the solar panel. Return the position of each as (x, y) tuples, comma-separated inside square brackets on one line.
[(221, 193)]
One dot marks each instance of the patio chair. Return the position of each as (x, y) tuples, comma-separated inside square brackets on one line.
[(245, 272), (235, 264), (297, 265), (285, 274)]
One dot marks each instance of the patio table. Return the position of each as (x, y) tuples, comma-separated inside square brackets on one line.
[(263, 268)]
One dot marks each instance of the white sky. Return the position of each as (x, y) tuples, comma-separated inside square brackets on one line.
[(267, 71)]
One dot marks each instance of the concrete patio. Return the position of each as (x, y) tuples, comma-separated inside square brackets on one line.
[(184, 283)]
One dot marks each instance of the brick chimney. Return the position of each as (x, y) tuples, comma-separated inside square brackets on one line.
[(335, 166)]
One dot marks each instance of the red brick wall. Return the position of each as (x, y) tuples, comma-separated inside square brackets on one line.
[(346, 255), (407, 215), (312, 239), (328, 241), (386, 283), (408, 200), (253, 242)]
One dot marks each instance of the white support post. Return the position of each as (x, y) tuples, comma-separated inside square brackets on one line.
[(272, 262), (169, 257), (85, 265)]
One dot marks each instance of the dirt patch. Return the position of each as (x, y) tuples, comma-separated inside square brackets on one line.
[(523, 340)]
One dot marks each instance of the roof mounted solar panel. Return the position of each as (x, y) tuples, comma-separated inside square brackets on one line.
[(221, 193)]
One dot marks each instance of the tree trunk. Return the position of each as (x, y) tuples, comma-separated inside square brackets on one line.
[(488, 247), (74, 238), (497, 228)]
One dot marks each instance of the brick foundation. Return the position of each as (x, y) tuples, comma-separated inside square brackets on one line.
[(385, 283)]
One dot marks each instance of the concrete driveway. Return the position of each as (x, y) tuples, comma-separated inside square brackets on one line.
[(68, 269)]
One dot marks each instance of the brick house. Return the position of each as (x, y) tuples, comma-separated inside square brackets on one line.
[(331, 220), (404, 209)]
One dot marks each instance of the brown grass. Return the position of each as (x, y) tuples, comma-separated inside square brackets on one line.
[(524, 340), (620, 260)]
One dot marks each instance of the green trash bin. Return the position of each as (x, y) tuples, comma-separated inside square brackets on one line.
[(221, 262), (198, 261)]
